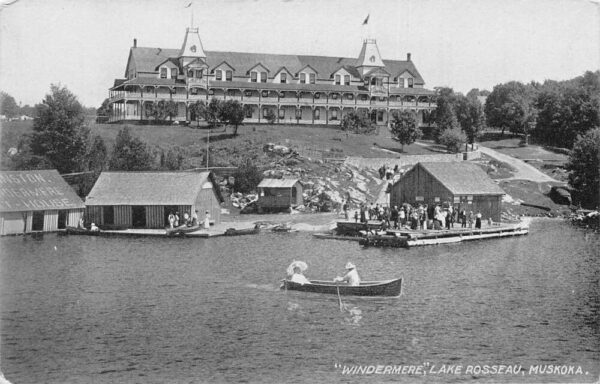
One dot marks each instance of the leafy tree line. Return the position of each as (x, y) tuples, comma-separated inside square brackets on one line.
[(10, 108), (553, 112), (457, 118), (61, 140)]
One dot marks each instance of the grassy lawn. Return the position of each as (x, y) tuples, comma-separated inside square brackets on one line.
[(251, 136)]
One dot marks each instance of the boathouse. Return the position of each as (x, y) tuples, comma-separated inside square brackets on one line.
[(145, 199), (279, 194), (462, 184), (37, 201)]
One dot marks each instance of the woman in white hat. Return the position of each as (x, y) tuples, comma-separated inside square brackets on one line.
[(351, 276)]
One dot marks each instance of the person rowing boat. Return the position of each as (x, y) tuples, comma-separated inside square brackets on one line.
[(351, 276)]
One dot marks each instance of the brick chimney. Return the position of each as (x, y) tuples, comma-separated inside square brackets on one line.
[(408, 56), (134, 43)]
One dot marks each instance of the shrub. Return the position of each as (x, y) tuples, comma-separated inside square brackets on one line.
[(358, 122), (246, 177), (453, 139)]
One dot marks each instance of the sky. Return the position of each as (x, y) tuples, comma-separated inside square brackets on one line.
[(463, 44)]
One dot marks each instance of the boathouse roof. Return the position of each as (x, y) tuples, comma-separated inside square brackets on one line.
[(462, 178), (277, 183), (151, 188), (40, 190)]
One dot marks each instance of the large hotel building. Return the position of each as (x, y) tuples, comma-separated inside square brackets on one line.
[(298, 89)]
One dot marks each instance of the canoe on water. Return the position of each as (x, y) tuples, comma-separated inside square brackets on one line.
[(81, 231), (240, 232), (389, 288), (182, 229)]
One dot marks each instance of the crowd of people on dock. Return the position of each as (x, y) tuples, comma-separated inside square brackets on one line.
[(188, 220), (421, 217)]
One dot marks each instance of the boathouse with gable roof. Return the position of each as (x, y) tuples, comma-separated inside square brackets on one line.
[(462, 184), (278, 194), (145, 199), (37, 201)]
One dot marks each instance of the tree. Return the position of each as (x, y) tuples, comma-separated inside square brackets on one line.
[(509, 106), (97, 155), (357, 122), (197, 111), (470, 116), (8, 105), (584, 166), (270, 116), (453, 139), (130, 153), (166, 109), (246, 177), (212, 113), (172, 159), (444, 114), (404, 127), (104, 112), (233, 113), (59, 134)]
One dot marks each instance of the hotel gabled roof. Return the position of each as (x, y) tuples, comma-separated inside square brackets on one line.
[(147, 59)]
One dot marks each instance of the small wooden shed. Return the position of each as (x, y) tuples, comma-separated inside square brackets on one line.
[(279, 194), (37, 201), (145, 199), (462, 184)]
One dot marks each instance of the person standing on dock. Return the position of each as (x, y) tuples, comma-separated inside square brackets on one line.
[(463, 218), (470, 219), (195, 218), (177, 219), (478, 220), (171, 220), (394, 216), (207, 220)]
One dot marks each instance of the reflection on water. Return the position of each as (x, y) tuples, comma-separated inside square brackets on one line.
[(105, 310)]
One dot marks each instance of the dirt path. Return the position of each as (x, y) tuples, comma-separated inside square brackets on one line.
[(523, 171)]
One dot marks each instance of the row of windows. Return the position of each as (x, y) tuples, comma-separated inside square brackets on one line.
[(298, 114), (334, 96), (283, 77)]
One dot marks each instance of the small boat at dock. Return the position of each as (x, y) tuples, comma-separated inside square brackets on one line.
[(182, 229), (241, 232), (387, 288), (81, 231)]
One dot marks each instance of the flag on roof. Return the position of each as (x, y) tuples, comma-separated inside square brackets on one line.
[(366, 20)]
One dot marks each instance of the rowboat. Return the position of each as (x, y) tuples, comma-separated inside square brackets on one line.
[(240, 232), (389, 288), (81, 231), (182, 229)]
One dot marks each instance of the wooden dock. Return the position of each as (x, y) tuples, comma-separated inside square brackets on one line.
[(404, 238)]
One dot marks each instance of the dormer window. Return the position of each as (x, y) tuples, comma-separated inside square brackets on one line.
[(190, 73), (303, 78), (401, 82), (228, 75), (346, 79), (283, 78), (163, 73), (338, 79), (199, 73), (312, 78), (253, 76), (173, 73), (410, 82), (263, 77), (218, 75)]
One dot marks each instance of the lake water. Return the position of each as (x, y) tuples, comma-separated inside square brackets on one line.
[(78, 309)]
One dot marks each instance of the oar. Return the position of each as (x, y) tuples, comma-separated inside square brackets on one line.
[(337, 286)]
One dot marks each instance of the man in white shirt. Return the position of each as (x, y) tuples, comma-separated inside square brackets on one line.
[(351, 276), (298, 277)]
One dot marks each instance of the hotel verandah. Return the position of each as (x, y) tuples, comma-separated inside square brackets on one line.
[(296, 88)]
